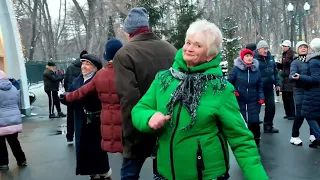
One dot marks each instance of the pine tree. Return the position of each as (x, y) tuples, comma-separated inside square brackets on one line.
[(155, 11), (111, 33), (188, 14), (231, 41)]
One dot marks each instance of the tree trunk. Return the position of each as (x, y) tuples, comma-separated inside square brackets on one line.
[(33, 30), (91, 24), (51, 35)]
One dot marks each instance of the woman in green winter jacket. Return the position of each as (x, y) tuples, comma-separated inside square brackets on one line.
[(195, 113)]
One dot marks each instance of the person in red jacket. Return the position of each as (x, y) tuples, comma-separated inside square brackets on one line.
[(104, 84)]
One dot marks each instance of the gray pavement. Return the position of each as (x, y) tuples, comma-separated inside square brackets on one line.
[(50, 158)]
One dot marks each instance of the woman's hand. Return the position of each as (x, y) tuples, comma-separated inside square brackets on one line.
[(157, 120), (296, 76)]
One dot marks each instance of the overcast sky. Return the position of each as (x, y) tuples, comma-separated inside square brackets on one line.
[(54, 6)]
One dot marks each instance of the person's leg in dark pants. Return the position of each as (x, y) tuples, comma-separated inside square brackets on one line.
[(292, 106), (270, 109), (288, 104), (16, 149), (314, 125), (255, 129), (4, 159), (56, 102), (131, 168), (298, 121), (70, 123), (51, 105)]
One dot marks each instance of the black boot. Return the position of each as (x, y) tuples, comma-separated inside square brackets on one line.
[(270, 129), (53, 116), (315, 144), (60, 114)]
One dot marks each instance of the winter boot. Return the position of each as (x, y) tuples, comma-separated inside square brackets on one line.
[(296, 141), (315, 144), (270, 129), (312, 138), (51, 116), (60, 114), (22, 164)]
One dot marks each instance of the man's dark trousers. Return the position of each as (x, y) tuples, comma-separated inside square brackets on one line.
[(270, 107), (288, 103), (70, 123)]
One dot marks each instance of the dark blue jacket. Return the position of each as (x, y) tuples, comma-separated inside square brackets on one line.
[(301, 68), (311, 99), (247, 82), (268, 70)]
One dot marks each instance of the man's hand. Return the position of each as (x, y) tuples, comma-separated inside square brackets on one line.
[(277, 88), (157, 120)]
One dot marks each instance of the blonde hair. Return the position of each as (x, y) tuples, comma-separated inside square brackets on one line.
[(211, 32)]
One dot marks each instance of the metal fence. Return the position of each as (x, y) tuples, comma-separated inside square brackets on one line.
[(35, 69)]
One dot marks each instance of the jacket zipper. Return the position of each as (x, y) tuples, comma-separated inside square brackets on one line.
[(171, 142), (224, 152), (200, 161), (247, 115)]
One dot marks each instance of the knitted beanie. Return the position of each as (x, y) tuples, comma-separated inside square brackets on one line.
[(244, 52), (112, 47), (300, 43), (262, 44), (315, 44), (137, 18)]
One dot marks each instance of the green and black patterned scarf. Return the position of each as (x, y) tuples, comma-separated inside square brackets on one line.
[(189, 90)]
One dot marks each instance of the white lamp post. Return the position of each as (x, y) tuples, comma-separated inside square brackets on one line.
[(290, 8), (306, 6)]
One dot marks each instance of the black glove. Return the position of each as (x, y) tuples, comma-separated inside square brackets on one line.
[(63, 98)]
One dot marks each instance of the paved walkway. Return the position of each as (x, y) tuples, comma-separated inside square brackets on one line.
[(50, 158)]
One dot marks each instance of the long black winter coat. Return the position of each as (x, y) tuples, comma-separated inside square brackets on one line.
[(91, 159), (73, 71), (287, 59), (311, 98), (247, 82)]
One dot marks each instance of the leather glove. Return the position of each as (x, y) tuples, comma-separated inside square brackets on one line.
[(63, 99), (261, 101)]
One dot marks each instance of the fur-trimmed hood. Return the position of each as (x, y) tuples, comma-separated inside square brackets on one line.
[(242, 66)]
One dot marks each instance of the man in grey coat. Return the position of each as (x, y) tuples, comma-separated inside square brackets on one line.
[(136, 65)]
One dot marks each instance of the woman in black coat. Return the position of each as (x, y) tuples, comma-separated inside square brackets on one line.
[(246, 79), (91, 159), (299, 66), (311, 98)]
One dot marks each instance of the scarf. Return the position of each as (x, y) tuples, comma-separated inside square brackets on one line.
[(139, 31), (189, 90), (302, 58), (88, 76)]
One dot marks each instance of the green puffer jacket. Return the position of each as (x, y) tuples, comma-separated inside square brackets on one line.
[(218, 121)]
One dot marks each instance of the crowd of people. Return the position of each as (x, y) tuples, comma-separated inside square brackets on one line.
[(146, 98)]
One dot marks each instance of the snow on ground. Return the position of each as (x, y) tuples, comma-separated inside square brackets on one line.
[(39, 89)]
